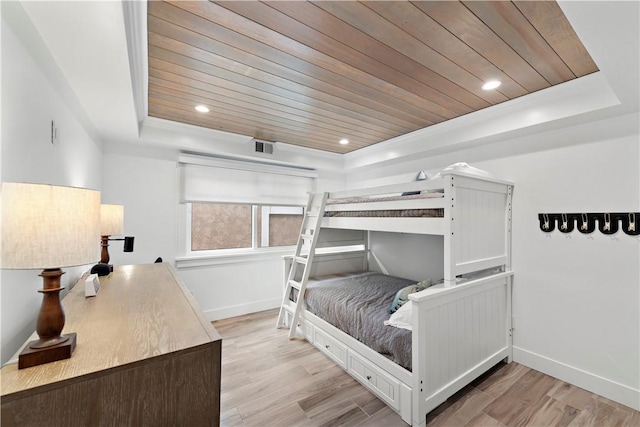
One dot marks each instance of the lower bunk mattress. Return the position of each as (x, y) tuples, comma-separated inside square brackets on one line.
[(358, 304)]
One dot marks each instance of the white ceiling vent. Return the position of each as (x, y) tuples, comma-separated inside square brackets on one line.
[(263, 146)]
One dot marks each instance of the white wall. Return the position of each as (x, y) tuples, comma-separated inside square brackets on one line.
[(31, 98), (235, 287), (576, 297), (147, 187), (411, 256)]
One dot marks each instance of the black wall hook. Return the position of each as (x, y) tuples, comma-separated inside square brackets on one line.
[(586, 223)]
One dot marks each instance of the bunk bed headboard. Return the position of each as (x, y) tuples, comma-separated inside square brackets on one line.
[(478, 235)]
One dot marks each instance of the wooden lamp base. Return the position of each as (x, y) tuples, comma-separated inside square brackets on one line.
[(52, 345), (37, 356)]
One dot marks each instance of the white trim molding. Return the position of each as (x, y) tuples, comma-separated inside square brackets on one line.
[(540, 110), (135, 24), (241, 309), (605, 387), (231, 256)]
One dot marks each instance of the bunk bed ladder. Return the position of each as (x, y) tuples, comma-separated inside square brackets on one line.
[(305, 251)]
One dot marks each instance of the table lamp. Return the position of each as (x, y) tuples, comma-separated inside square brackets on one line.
[(111, 222), (48, 227)]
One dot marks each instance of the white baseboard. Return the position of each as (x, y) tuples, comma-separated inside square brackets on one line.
[(239, 310), (610, 389)]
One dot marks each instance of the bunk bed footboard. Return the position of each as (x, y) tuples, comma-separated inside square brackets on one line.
[(458, 334)]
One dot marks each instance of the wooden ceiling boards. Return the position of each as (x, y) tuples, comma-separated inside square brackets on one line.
[(312, 73)]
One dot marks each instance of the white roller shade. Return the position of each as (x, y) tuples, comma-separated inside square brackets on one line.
[(224, 181)]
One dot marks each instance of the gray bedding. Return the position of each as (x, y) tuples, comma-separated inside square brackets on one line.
[(392, 213), (388, 213), (358, 304)]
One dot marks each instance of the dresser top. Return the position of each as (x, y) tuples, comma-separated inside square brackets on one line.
[(141, 312)]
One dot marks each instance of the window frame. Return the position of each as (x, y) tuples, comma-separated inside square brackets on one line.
[(256, 246), (272, 210)]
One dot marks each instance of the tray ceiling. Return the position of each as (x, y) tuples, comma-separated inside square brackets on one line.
[(312, 73)]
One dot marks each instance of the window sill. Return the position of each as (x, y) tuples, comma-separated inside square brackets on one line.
[(235, 257)]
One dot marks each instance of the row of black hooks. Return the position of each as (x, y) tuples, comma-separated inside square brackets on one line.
[(586, 223)]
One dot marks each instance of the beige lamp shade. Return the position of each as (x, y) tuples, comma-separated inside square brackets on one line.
[(47, 226), (111, 220)]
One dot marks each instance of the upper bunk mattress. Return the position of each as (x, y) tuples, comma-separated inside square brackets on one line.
[(407, 213), (373, 199), (358, 304)]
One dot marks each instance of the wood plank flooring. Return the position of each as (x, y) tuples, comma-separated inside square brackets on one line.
[(269, 380)]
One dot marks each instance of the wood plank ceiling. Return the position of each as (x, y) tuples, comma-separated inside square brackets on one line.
[(312, 73)]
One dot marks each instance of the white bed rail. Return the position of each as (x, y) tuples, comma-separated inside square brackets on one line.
[(430, 203), (458, 333), (333, 263), (417, 225), (425, 185)]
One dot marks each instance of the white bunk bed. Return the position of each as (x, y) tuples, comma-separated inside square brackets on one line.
[(460, 329)]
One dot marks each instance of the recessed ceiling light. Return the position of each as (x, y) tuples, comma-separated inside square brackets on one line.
[(344, 141), (202, 108), (491, 84)]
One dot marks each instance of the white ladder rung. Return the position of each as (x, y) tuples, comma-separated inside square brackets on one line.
[(313, 214), (300, 260), (288, 309), (295, 285), (306, 236)]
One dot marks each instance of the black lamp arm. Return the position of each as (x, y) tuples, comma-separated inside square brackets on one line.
[(128, 243)]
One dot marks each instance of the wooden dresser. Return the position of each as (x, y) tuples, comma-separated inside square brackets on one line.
[(145, 356)]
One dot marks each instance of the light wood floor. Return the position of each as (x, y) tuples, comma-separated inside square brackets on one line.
[(269, 380)]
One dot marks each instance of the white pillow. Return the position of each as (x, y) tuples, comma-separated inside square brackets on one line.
[(463, 167), (402, 317)]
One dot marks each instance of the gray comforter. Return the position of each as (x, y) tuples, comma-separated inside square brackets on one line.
[(358, 304)]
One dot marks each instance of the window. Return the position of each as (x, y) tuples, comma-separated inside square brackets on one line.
[(220, 226), (278, 225), (233, 226), (235, 205)]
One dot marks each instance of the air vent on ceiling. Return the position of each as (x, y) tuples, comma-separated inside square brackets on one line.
[(263, 146)]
